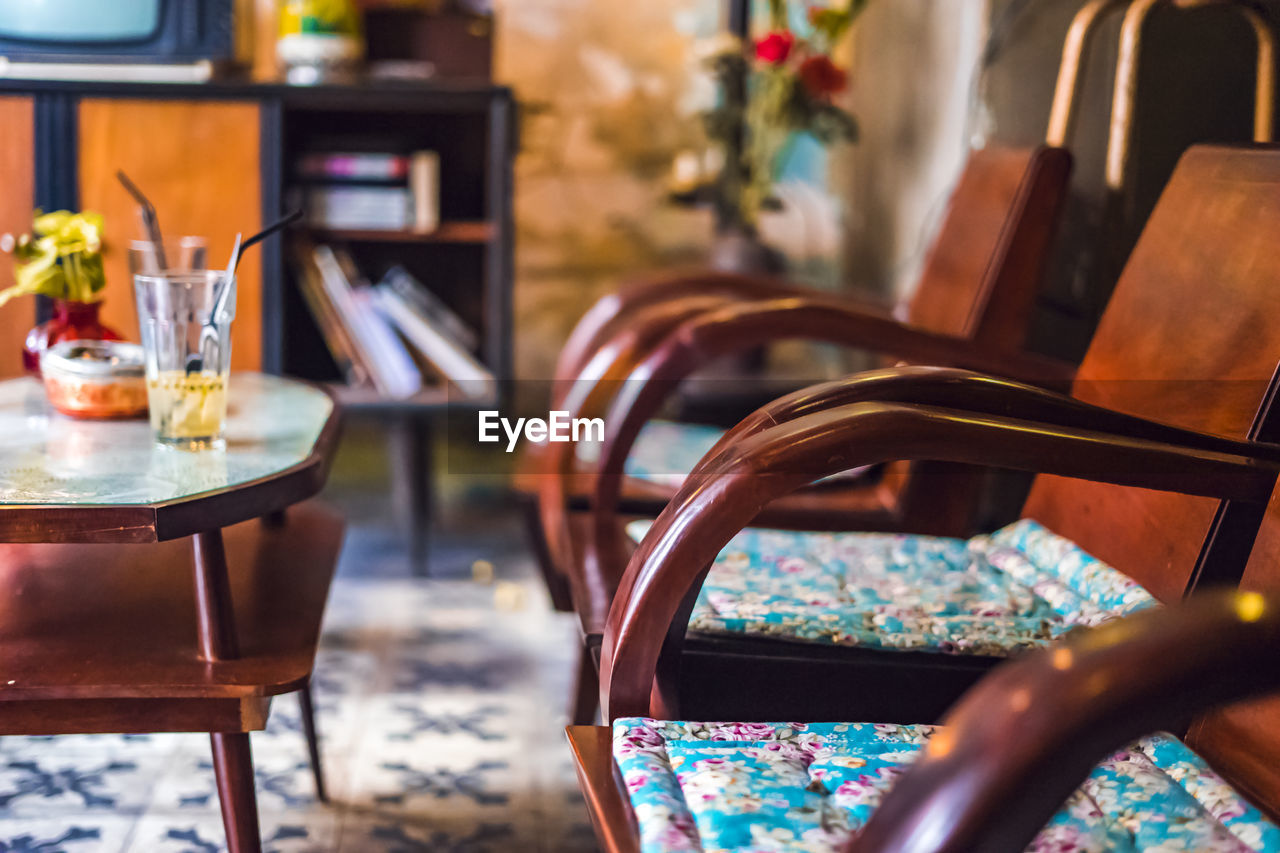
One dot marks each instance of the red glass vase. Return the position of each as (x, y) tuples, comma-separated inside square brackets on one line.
[(71, 321)]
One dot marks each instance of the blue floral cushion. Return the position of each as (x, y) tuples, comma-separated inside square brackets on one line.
[(1020, 587), (712, 787)]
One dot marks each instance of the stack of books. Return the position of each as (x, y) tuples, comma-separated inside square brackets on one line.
[(395, 336), (370, 191)]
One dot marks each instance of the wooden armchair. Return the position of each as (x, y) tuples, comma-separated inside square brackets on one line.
[(973, 306), (1200, 256), (1000, 772)]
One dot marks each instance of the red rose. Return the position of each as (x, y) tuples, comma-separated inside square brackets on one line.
[(775, 47), (821, 77)]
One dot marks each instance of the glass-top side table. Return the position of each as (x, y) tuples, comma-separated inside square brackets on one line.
[(105, 630), (49, 460)]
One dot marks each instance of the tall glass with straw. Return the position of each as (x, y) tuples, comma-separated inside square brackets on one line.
[(186, 337)]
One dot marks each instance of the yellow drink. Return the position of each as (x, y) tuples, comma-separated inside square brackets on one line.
[(187, 407)]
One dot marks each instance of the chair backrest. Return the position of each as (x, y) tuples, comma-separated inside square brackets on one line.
[(983, 273), (1190, 337)]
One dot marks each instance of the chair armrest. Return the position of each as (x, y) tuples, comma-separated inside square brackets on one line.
[(615, 311), (607, 365), (973, 392), (1018, 743), (656, 593), (740, 327)]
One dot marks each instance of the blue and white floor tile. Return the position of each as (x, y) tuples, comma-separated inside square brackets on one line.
[(441, 731)]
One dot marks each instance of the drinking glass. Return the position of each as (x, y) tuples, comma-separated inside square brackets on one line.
[(184, 254), (186, 382)]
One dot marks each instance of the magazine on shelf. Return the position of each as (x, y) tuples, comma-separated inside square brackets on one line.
[(359, 207), (390, 366), (436, 345), (432, 308), (367, 167), (346, 355)]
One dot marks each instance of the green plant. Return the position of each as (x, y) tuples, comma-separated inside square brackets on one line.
[(787, 86), (63, 260)]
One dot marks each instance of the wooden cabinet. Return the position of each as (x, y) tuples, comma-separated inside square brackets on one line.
[(198, 162), (17, 177)]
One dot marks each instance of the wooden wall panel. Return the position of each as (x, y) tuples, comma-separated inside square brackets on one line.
[(198, 163), (17, 191)]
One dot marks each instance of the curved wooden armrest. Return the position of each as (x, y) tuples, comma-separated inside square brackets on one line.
[(740, 327), (646, 326), (966, 390), (1017, 744), (615, 311), (655, 596)]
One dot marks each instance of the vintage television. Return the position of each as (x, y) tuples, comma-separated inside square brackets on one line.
[(160, 40)]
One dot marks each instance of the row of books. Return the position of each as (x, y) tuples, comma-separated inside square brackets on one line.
[(393, 335), (370, 191)]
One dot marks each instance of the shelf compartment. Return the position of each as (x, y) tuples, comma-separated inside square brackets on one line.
[(448, 232)]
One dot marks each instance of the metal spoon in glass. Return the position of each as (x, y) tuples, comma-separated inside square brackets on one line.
[(222, 290)]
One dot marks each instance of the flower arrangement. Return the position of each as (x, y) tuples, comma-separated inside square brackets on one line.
[(786, 86), (63, 260)]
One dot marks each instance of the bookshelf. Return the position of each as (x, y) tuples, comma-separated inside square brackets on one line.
[(465, 261)]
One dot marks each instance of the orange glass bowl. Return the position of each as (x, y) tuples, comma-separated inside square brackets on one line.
[(95, 379)]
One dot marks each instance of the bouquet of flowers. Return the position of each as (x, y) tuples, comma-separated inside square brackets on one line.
[(63, 260), (786, 87)]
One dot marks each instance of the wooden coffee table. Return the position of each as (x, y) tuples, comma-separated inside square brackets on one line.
[(148, 589)]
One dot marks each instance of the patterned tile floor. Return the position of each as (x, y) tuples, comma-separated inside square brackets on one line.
[(439, 713)]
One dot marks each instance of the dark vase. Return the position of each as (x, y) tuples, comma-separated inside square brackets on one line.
[(71, 321), (737, 248)]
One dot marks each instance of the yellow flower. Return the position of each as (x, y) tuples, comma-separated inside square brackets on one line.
[(65, 259)]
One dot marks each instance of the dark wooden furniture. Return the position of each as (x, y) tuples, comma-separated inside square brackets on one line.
[(217, 158), (995, 239), (978, 287), (104, 534), (1025, 736), (1154, 357)]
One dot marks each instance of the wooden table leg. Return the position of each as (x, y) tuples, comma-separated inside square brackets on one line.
[(216, 617), (411, 485), (233, 769), (307, 712), (232, 759)]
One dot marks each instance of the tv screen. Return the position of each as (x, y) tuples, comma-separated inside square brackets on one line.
[(79, 21)]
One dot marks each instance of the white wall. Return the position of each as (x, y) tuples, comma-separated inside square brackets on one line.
[(913, 66)]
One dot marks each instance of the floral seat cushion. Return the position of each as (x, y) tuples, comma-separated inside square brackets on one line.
[(807, 788), (1023, 586)]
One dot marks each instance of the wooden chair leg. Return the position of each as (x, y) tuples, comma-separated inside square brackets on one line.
[(557, 584), (586, 690), (308, 714), (233, 769)]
